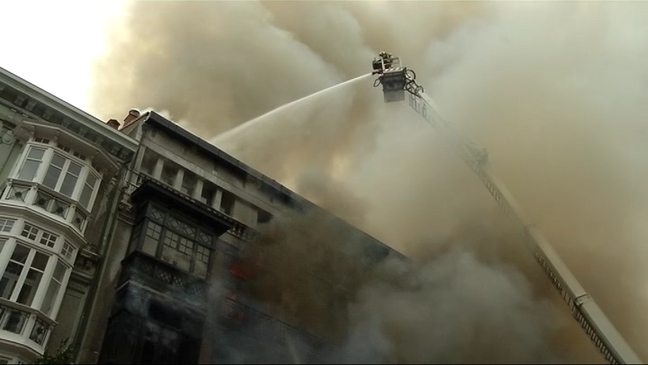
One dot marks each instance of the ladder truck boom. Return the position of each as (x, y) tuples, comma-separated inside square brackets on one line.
[(395, 81)]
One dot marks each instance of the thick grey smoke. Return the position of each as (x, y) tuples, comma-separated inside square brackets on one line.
[(555, 91), (453, 317)]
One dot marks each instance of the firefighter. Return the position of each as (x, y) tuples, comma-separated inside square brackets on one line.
[(387, 59)]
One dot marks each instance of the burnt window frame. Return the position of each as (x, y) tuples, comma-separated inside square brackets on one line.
[(153, 214)]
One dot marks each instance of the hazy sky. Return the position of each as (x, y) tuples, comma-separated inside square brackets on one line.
[(52, 43)]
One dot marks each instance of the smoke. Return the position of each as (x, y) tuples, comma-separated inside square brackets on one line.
[(554, 91), (453, 318)]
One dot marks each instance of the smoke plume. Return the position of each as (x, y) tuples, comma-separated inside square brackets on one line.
[(555, 92)]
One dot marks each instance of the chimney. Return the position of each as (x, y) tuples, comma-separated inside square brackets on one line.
[(132, 115), (113, 123)]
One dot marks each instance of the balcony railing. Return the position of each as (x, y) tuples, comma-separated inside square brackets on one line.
[(164, 278)]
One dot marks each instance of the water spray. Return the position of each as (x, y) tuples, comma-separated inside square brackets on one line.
[(253, 122)]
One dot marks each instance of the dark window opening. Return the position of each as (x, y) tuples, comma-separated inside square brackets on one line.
[(227, 202), (148, 162), (169, 173), (188, 183), (263, 217), (208, 193), (164, 315)]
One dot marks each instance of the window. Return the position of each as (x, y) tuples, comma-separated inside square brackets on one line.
[(71, 178), (175, 242), (48, 239), (153, 232), (202, 261), (29, 232), (188, 183), (177, 250), (53, 288), (59, 172), (88, 189), (54, 171), (227, 202), (148, 162), (6, 224), (169, 173), (31, 164), (20, 259), (33, 279), (62, 175), (41, 236), (42, 140), (68, 250), (208, 193)]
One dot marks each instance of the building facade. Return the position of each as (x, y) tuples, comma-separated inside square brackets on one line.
[(142, 243), (58, 168), (203, 278)]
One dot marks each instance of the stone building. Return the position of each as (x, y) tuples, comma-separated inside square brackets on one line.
[(58, 168)]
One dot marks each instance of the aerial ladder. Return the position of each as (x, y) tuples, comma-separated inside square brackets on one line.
[(396, 80)]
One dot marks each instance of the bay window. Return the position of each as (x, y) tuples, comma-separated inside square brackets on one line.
[(23, 275), (31, 278), (68, 182), (174, 241), (36, 265)]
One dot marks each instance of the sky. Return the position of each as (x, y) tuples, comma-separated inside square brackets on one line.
[(53, 43)]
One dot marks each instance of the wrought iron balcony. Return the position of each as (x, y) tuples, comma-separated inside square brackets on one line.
[(160, 276)]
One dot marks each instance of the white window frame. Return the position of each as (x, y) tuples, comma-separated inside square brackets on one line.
[(72, 251), (11, 244), (69, 160), (39, 236), (54, 255), (4, 224), (58, 300), (95, 188), (86, 164), (24, 157)]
